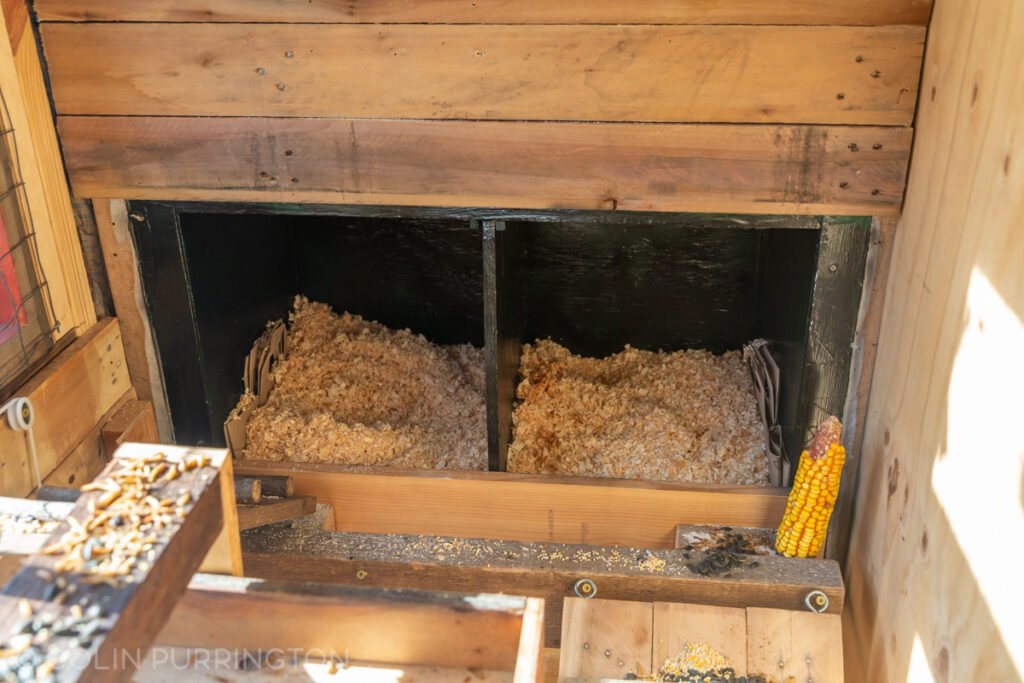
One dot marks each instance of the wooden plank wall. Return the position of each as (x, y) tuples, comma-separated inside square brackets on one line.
[(933, 572), (787, 107)]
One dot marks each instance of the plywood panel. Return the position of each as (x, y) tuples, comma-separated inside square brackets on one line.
[(605, 638), (795, 646), (743, 169), (498, 11), (760, 74), (935, 591)]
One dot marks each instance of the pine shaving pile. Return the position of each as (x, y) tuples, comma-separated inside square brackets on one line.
[(355, 392), (685, 416)]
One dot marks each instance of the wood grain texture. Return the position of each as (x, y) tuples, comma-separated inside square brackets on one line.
[(133, 422), (934, 595), (715, 74), (724, 629), (744, 169), (523, 507), (531, 658), (795, 646), (90, 456), (854, 12), (69, 396), (126, 290), (385, 626), (274, 510), (605, 638), (58, 223), (544, 570)]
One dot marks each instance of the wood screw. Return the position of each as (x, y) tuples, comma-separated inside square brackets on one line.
[(607, 653), (840, 96), (877, 146), (875, 192), (859, 59), (832, 268), (261, 71), (281, 87), (289, 54), (853, 147), (876, 74), (843, 185)]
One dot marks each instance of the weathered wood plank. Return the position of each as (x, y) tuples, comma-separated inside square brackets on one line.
[(852, 12), (385, 626), (795, 645), (134, 422), (712, 74), (274, 510), (132, 612), (543, 570), (523, 507), (723, 628), (743, 169), (69, 396), (605, 638)]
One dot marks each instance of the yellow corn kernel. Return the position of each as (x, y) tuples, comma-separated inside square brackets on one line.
[(813, 496)]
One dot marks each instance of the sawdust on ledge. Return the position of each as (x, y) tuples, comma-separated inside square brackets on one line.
[(685, 416), (354, 392)]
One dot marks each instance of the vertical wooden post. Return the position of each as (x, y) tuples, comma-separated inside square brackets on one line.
[(502, 339)]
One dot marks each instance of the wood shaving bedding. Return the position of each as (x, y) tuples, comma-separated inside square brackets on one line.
[(353, 391), (685, 416)]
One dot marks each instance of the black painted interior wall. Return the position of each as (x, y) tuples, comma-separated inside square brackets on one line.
[(592, 286)]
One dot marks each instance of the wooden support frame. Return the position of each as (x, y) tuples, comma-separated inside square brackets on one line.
[(544, 570), (398, 627)]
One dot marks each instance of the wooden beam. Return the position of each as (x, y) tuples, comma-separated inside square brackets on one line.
[(69, 396), (852, 12), (710, 74), (274, 510), (523, 507), (56, 224), (126, 290), (86, 460), (741, 169), (543, 570), (130, 613), (133, 422), (384, 626)]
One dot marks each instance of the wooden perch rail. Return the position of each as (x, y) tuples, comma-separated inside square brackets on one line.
[(108, 577)]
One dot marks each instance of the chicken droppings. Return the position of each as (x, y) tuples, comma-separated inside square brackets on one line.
[(685, 416), (354, 392)]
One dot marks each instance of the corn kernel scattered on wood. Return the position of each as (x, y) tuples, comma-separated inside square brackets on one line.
[(814, 493)]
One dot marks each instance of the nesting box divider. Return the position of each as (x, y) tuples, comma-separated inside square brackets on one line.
[(503, 336)]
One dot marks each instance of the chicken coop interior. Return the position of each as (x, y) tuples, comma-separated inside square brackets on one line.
[(535, 342)]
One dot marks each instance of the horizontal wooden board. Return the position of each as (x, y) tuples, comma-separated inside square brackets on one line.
[(69, 396), (519, 165), (542, 570), (718, 74), (851, 12), (524, 507), (387, 626)]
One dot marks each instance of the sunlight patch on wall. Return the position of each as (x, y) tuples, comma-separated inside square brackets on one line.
[(978, 479)]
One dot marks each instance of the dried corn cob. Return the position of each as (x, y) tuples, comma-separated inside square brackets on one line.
[(814, 493)]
